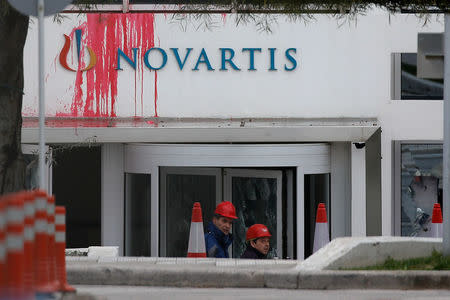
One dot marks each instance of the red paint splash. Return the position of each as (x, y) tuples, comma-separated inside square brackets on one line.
[(104, 33)]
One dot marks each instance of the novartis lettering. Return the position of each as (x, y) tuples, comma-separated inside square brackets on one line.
[(157, 58)]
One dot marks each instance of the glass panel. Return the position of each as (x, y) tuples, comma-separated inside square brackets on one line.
[(31, 171), (317, 190), (137, 214), (181, 193), (421, 180), (418, 88), (255, 200)]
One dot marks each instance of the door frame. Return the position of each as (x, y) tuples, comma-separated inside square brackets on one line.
[(278, 175), (164, 171), (147, 158)]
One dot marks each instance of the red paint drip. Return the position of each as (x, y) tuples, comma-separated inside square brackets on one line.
[(224, 18), (104, 33)]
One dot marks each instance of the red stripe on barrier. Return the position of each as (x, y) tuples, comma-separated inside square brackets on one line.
[(15, 228), (60, 228), (41, 214)]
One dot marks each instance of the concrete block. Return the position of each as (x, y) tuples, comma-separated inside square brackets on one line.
[(107, 259), (81, 259), (353, 252), (246, 262), (399, 280), (281, 279), (225, 262), (77, 252), (103, 251), (166, 261)]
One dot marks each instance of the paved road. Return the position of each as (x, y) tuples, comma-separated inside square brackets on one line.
[(135, 292)]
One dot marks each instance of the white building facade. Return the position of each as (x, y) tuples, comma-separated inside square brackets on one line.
[(324, 111)]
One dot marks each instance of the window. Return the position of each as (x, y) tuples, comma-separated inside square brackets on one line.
[(420, 187), (137, 214), (406, 84)]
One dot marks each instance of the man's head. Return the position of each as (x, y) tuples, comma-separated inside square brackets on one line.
[(224, 215), (223, 223), (258, 236), (261, 244)]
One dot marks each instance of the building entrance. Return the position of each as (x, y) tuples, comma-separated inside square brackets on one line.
[(265, 182), (256, 194)]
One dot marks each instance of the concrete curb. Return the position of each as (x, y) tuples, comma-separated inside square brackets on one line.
[(399, 280), (207, 276)]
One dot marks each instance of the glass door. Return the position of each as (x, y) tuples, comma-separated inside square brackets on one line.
[(180, 187), (257, 196)]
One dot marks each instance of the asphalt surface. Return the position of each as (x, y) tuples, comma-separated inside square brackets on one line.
[(139, 292)]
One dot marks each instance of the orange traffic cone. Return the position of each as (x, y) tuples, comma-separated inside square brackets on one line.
[(14, 248), (41, 267), (60, 249), (321, 235), (436, 221), (2, 247), (196, 246)]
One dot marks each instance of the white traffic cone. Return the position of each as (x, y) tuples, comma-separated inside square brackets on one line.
[(436, 221), (321, 235), (196, 246)]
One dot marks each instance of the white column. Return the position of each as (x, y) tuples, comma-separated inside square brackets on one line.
[(300, 213), (358, 165), (446, 162), (340, 184), (113, 195)]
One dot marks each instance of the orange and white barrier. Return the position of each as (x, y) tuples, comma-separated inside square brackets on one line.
[(28, 246), (41, 265), (32, 253), (3, 249), (14, 248), (51, 243), (436, 221), (196, 247), (321, 233), (60, 249)]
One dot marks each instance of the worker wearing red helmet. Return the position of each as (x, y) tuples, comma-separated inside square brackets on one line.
[(218, 236), (258, 242)]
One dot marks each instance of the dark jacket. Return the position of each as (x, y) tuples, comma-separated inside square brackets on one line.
[(252, 253), (216, 242)]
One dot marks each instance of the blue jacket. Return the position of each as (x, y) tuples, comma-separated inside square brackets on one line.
[(217, 242)]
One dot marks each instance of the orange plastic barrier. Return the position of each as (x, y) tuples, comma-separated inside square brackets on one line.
[(32, 246)]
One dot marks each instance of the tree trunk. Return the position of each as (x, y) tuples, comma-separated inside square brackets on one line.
[(13, 33)]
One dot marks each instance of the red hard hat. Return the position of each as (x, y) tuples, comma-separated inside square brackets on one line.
[(257, 231), (226, 209)]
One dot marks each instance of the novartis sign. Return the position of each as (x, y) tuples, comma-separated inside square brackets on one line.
[(201, 60), (157, 58)]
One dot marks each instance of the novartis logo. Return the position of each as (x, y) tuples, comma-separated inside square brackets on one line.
[(65, 51)]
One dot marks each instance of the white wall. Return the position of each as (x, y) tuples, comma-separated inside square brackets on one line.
[(342, 71)]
